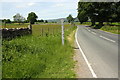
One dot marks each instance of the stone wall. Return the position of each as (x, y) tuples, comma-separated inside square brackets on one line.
[(15, 32)]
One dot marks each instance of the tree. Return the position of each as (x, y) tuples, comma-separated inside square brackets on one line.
[(115, 9), (8, 21), (102, 12), (46, 21), (83, 11), (97, 12), (18, 18), (26, 21), (70, 18), (4, 21), (82, 17), (40, 20), (32, 17)]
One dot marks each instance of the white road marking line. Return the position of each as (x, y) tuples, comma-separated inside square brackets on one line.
[(93, 33), (85, 58), (88, 30), (107, 38)]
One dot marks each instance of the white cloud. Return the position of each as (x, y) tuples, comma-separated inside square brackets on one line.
[(20, 6), (65, 5), (4, 18), (58, 5), (24, 5), (31, 4), (39, 0)]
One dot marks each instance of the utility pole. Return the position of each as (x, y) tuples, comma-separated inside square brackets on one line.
[(62, 25)]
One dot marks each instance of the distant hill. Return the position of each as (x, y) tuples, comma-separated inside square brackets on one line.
[(58, 20)]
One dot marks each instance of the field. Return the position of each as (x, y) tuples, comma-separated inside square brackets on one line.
[(40, 29), (39, 56), (15, 25), (48, 29), (112, 27)]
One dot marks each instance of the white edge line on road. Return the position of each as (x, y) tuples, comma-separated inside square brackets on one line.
[(107, 39), (88, 30), (93, 33), (85, 58)]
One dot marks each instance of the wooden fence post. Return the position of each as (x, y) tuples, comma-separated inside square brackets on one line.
[(42, 32), (53, 31), (48, 31), (30, 27), (62, 26)]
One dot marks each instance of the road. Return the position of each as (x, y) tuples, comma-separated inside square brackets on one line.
[(101, 51)]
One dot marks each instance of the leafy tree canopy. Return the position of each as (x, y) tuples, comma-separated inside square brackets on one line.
[(70, 18), (32, 17), (18, 18), (99, 12)]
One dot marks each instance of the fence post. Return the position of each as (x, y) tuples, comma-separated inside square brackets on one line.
[(42, 31), (48, 31), (30, 27), (53, 31), (62, 23)]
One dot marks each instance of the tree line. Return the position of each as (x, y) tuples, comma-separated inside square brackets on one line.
[(99, 12), (32, 18)]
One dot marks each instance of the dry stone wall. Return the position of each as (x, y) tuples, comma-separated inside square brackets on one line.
[(15, 32)]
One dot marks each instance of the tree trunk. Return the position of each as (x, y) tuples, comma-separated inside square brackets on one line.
[(100, 24), (108, 23), (5, 24), (93, 23), (81, 22)]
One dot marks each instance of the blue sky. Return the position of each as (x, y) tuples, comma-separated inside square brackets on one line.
[(44, 9)]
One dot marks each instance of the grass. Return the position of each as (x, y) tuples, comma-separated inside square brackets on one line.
[(48, 29), (40, 29), (113, 28), (116, 23), (15, 25), (0, 60), (84, 23), (38, 56)]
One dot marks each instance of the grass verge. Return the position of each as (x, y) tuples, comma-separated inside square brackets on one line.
[(113, 28), (38, 57)]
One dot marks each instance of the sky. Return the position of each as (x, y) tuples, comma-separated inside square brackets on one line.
[(44, 9)]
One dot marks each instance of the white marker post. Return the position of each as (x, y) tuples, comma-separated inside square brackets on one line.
[(62, 21)]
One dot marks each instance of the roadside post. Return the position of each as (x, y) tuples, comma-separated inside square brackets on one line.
[(62, 25), (30, 27)]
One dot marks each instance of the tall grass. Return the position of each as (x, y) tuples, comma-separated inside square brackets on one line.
[(49, 29), (13, 25), (111, 27), (38, 57)]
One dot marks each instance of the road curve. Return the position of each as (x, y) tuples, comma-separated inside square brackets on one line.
[(101, 50)]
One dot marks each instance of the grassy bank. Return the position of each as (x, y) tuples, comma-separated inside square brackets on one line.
[(112, 27), (84, 23), (38, 57)]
